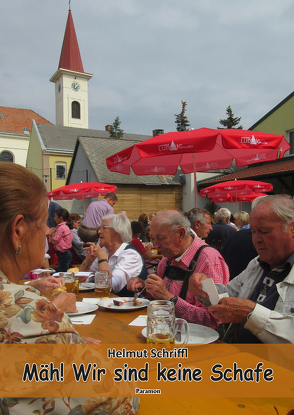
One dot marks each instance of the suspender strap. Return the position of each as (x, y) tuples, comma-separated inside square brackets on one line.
[(179, 274)]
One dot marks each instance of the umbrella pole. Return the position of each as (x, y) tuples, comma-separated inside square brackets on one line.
[(195, 180), (236, 202)]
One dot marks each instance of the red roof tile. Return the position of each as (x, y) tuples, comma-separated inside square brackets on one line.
[(264, 170), (14, 120), (70, 57)]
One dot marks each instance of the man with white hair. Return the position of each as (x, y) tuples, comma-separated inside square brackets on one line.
[(183, 253), (260, 305), (220, 230), (200, 221)]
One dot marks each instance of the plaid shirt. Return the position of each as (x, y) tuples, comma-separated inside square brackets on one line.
[(210, 263)]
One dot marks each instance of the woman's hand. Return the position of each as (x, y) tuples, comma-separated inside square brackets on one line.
[(66, 302), (88, 261), (135, 284), (88, 244), (46, 283), (90, 340), (99, 253)]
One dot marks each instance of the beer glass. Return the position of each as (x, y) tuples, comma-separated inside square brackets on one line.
[(102, 284), (69, 281), (162, 326)]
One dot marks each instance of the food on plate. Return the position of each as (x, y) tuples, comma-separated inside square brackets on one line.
[(122, 301), (118, 302), (74, 270), (137, 302)]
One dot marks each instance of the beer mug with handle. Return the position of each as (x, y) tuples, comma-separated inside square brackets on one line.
[(162, 326)]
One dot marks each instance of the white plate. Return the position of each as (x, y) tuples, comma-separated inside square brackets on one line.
[(127, 306), (79, 274), (86, 286), (83, 308), (197, 334)]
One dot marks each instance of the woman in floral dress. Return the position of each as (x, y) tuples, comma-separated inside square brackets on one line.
[(25, 316)]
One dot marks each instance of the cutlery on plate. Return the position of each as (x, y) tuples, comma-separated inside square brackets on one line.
[(137, 295)]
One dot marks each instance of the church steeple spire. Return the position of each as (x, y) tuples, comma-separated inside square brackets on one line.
[(71, 82), (70, 57)]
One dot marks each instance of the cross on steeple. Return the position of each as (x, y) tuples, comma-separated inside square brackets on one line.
[(69, 4)]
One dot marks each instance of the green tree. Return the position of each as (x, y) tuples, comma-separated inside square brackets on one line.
[(211, 208), (181, 119), (116, 131), (230, 121)]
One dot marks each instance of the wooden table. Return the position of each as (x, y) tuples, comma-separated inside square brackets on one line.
[(111, 326), (156, 256)]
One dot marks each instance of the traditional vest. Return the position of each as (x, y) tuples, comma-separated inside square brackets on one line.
[(179, 274)]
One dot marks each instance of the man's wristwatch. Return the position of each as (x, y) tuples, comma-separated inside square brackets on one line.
[(174, 299)]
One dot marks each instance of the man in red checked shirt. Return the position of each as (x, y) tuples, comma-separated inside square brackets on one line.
[(183, 254)]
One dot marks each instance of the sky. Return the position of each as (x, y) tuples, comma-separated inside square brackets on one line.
[(146, 56)]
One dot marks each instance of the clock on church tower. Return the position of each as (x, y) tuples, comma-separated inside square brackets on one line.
[(75, 86)]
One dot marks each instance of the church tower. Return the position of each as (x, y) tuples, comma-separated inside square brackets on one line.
[(71, 82)]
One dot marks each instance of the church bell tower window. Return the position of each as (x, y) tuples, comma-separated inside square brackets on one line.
[(76, 110)]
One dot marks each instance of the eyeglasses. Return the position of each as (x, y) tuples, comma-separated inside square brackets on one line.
[(104, 227)]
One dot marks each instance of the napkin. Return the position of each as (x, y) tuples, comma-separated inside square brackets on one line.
[(140, 321), (91, 300), (209, 287), (83, 319)]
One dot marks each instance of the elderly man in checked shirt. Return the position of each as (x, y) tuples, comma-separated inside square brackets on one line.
[(180, 247)]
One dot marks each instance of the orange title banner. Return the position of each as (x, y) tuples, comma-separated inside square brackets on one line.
[(217, 370)]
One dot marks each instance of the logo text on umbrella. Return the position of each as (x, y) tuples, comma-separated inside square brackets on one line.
[(252, 140), (118, 159), (172, 147)]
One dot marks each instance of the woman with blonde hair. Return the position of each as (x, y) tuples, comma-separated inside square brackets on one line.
[(242, 220)]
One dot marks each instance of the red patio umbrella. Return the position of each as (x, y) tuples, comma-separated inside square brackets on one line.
[(81, 191), (240, 198), (234, 188), (199, 150), (236, 191)]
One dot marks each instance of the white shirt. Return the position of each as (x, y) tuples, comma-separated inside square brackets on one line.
[(46, 256), (270, 326), (124, 264)]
